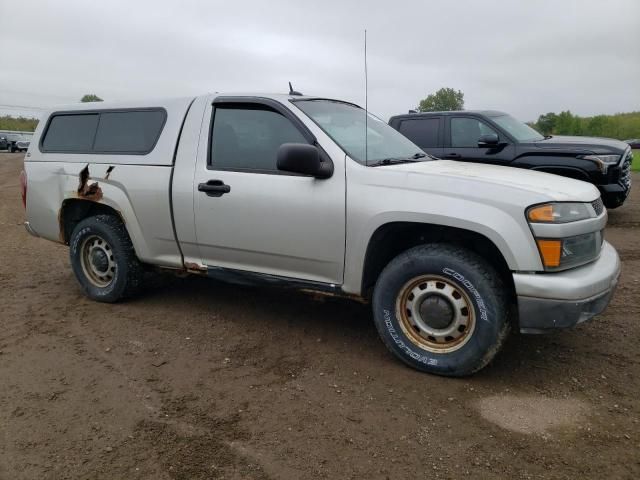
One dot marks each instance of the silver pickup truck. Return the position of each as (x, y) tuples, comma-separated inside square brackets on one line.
[(314, 194)]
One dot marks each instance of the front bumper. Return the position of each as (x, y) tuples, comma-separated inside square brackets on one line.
[(614, 194), (548, 301)]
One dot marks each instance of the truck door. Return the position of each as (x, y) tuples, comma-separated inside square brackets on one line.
[(461, 142), (426, 132), (252, 217)]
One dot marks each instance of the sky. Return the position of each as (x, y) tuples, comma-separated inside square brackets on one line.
[(525, 57)]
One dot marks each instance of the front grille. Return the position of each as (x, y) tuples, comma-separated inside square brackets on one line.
[(598, 206), (625, 172)]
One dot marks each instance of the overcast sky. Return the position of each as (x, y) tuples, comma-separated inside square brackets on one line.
[(525, 57)]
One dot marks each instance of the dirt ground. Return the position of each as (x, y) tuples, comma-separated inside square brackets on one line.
[(195, 379)]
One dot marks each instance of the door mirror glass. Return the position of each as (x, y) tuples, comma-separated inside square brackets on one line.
[(489, 139), (301, 158)]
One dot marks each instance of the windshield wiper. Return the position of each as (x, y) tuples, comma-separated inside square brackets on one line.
[(396, 160)]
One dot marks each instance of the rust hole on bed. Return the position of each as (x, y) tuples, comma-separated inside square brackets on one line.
[(86, 190)]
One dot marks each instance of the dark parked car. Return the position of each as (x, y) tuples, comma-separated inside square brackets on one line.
[(498, 138), (633, 143), (14, 142), (4, 143), (22, 145)]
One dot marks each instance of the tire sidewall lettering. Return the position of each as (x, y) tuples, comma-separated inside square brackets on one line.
[(402, 345), (480, 304)]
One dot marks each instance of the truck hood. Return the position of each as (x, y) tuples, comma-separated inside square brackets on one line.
[(476, 179), (582, 144)]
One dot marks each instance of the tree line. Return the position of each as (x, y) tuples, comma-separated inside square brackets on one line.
[(25, 124), (621, 125)]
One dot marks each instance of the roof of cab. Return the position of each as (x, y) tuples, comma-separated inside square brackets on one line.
[(486, 113), (279, 97)]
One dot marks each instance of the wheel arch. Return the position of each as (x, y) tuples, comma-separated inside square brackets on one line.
[(74, 210), (393, 238)]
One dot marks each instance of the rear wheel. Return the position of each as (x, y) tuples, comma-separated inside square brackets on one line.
[(441, 309), (103, 259)]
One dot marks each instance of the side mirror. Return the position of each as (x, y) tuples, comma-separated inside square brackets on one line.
[(303, 158), (488, 140)]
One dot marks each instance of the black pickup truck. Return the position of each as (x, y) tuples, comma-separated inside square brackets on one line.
[(498, 138)]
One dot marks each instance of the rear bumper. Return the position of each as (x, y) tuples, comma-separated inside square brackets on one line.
[(30, 229), (548, 301)]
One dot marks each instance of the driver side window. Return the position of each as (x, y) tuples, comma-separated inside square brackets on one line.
[(247, 138), (465, 132)]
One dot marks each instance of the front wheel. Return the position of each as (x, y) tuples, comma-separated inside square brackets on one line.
[(104, 260), (441, 309)]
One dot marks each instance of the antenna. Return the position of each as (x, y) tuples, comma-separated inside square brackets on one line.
[(292, 91), (366, 103)]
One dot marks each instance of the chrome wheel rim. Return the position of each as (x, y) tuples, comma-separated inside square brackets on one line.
[(435, 314), (96, 258)]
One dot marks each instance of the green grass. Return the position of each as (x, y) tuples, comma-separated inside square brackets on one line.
[(635, 166)]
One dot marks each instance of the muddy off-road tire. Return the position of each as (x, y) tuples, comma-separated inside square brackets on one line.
[(103, 259), (441, 309)]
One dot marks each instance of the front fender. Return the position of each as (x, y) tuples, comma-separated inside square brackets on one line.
[(514, 242)]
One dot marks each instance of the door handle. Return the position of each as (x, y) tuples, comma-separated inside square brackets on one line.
[(453, 155), (214, 188)]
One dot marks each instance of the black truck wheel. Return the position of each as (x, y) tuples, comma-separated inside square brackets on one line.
[(441, 309), (104, 260)]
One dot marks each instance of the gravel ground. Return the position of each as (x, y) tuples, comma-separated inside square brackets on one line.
[(195, 379)]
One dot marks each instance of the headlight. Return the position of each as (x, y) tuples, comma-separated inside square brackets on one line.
[(559, 252), (559, 213), (603, 161), (562, 253)]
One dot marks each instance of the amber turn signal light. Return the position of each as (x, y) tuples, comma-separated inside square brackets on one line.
[(550, 250), (543, 213)]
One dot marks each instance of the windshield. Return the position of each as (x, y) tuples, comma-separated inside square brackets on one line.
[(345, 124), (520, 131)]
